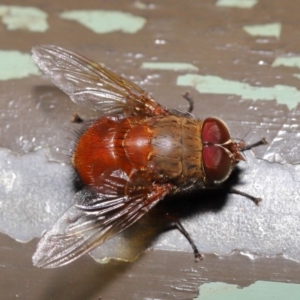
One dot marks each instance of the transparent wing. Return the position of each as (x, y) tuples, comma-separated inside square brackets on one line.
[(96, 217), (88, 83)]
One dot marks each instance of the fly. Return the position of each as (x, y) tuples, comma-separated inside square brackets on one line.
[(130, 158)]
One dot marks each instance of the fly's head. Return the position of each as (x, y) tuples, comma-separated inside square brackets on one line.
[(220, 153)]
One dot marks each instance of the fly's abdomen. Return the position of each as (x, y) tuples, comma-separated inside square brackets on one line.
[(99, 149)]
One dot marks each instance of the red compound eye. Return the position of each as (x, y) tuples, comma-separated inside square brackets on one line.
[(214, 131), (217, 163), (216, 160)]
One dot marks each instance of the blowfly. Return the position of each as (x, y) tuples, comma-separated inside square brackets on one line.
[(128, 159)]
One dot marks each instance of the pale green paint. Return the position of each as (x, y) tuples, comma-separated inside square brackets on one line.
[(142, 5), (297, 75), (25, 18), (14, 65), (237, 3), (273, 29), (287, 62), (260, 290), (216, 85), (103, 21), (174, 66)]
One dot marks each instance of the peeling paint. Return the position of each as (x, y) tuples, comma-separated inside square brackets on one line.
[(260, 290), (174, 66), (31, 198), (293, 62), (15, 64), (273, 29), (7, 179), (24, 18), (142, 5), (284, 94), (237, 3), (101, 21)]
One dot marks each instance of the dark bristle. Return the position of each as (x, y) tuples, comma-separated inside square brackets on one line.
[(77, 119)]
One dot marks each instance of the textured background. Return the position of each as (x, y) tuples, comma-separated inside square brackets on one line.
[(240, 60)]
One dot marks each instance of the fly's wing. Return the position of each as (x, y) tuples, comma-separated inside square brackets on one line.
[(97, 216), (88, 83)]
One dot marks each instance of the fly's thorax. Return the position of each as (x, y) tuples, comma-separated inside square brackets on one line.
[(176, 148), (191, 148)]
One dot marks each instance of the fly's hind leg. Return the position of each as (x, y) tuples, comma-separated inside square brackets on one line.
[(198, 256), (175, 223)]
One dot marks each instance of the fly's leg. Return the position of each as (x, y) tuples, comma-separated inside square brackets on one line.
[(256, 200), (198, 256), (190, 100), (177, 224), (244, 147)]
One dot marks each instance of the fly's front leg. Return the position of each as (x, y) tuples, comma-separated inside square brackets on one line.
[(256, 200), (190, 100)]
